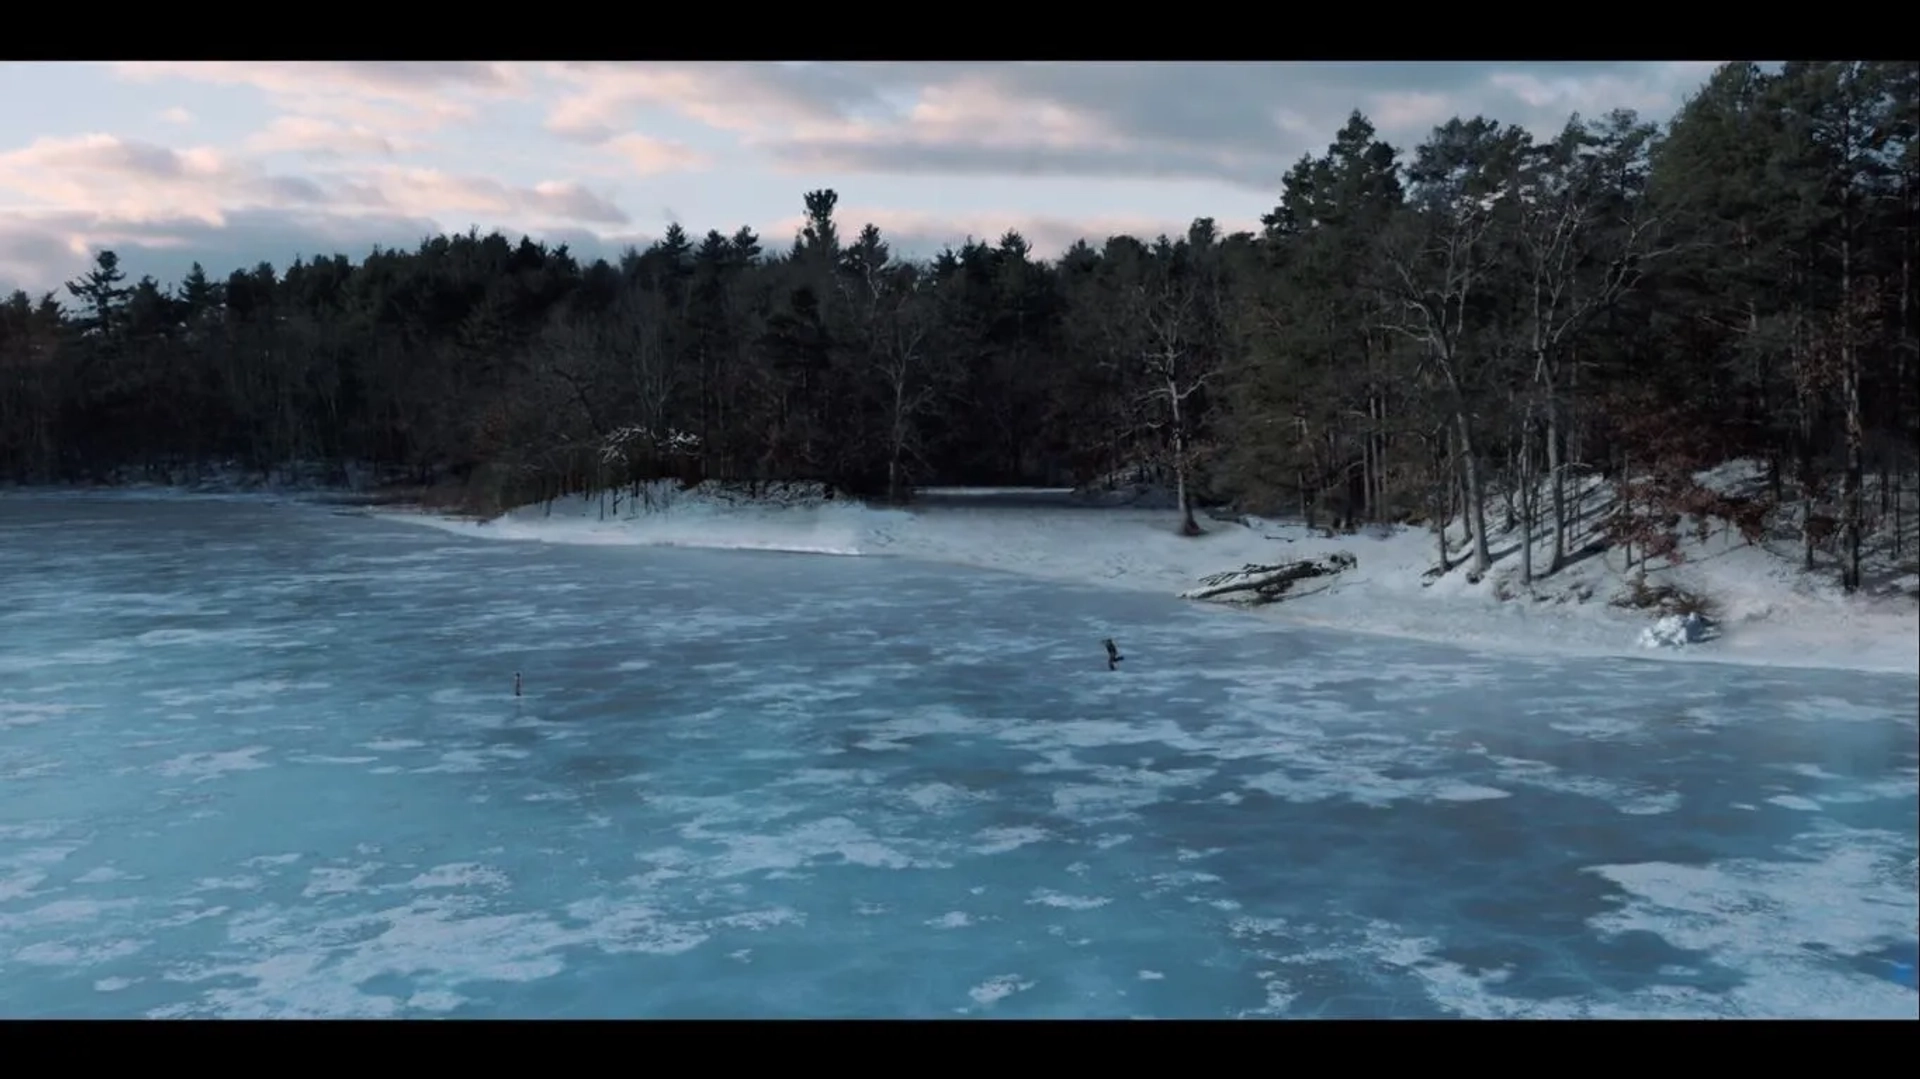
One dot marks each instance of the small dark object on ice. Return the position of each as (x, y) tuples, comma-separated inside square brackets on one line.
[(516, 683), (1113, 654)]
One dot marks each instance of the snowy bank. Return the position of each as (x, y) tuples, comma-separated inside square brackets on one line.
[(1766, 611)]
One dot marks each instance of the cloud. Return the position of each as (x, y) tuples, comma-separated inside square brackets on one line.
[(430, 192), (128, 180), (317, 137), (1241, 123), (38, 252), (390, 96), (122, 179), (737, 97), (62, 198), (972, 136), (647, 156), (1654, 90)]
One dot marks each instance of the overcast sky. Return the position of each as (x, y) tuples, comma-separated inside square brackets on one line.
[(233, 163)]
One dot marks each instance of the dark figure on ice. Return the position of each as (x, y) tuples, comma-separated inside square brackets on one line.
[(1113, 655), (516, 683)]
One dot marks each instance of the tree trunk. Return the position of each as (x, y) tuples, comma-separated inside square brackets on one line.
[(1528, 496), (1803, 451), (1476, 510), (1442, 495), (1468, 519), (1380, 454), (1188, 526), (1556, 484), (1510, 491), (1300, 474), (1367, 497), (1850, 575)]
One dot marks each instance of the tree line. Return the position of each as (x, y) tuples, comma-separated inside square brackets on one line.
[(1412, 335)]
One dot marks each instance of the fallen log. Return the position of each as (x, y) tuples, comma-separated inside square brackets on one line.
[(1253, 584)]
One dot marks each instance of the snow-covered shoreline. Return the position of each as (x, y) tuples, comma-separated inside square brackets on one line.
[(1769, 613)]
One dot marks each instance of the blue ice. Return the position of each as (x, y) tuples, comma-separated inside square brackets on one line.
[(260, 759)]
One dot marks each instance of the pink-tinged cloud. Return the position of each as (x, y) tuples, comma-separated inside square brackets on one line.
[(386, 95), (117, 179), (438, 195), (743, 98), (1411, 110), (968, 134), (392, 79), (646, 156), (126, 180), (318, 137), (40, 250), (1241, 123)]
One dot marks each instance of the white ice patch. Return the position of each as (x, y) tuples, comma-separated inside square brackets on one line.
[(1850, 892), (1630, 799), (468, 761), (227, 884), (236, 637), (998, 988), (69, 954), (104, 874), (1002, 840), (201, 767), (247, 689), (460, 875), (632, 929), (1326, 779), (338, 880), (1835, 709), (953, 919), (64, 912), (21, 884), (28, 714), (941, 798), (828, 838), (1049, 898)]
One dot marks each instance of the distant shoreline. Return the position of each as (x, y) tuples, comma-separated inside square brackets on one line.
[(1773, 619)]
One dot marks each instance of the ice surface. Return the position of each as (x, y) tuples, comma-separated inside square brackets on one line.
[(261, 760)]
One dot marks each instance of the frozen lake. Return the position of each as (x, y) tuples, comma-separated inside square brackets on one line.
[(264, 760)]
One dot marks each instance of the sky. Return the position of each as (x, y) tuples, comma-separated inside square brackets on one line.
[(234, 163)]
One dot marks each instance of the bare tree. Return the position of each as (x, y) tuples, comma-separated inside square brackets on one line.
[(901, 361), (1578, 208), (1177, 367), (1438, 266)]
